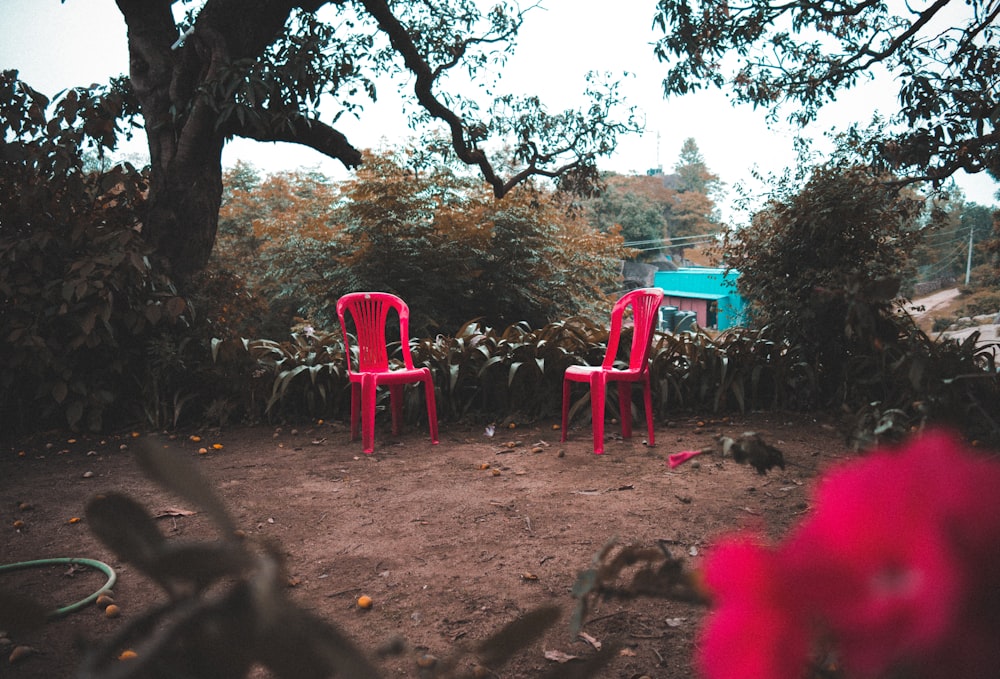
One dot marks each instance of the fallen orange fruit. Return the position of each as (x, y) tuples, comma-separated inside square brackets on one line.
[(364, 601)]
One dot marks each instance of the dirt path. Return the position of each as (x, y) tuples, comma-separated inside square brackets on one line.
[(933, 302), (451, 541)]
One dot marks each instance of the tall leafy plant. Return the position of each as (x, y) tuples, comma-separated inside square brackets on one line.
[(78, 295)]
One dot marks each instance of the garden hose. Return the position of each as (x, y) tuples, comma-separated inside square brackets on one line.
[(98, 565)]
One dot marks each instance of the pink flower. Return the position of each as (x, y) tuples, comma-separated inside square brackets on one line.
[(899, 567), (754, 631), (876, 559)]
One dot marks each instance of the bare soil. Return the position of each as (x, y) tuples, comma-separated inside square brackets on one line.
[(450, 541)]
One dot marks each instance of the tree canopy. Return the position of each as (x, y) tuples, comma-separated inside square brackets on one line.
[(261, 70), (945, 55), (656, 210), (414, 226)]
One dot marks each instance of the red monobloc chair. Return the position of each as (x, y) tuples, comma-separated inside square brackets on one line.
[(644, 303), (370, 312)]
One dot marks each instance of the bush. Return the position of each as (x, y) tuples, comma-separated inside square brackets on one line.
[(80, 299)]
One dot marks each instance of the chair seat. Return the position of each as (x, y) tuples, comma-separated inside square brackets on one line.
[(397, 376), (583, 373)]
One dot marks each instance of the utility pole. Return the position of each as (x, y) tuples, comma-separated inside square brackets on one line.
[(968, 261)]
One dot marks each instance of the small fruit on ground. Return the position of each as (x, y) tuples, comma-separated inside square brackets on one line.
[(364, 601)]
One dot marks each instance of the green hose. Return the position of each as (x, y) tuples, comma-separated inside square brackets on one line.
[(98, 565)]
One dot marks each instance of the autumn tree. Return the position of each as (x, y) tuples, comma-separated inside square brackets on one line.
[(258, 213), (259, 70), (945, 55), (436, 236), (943, 254), (692, 212)]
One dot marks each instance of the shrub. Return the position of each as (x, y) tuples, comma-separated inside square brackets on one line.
[(79, 296)]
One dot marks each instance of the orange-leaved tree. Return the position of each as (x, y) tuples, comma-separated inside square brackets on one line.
[(438, 238)]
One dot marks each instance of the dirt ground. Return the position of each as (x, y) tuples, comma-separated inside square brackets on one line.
[(451, 542)]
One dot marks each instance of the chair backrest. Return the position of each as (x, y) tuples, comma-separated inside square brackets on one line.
[(644, 303), (370, 313)]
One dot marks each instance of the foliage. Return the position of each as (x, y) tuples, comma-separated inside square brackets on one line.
[(944, 55), (987, 275), (638, 211), (742, 369), (821, 266), (516, 374), (79, 297), (437, 239), (261, 71), (821, 269), (944, 251), (656, 209), (911, 380), (984, 302), (310, 373)]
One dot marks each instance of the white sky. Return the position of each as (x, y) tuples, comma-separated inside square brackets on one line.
[(55, 46)]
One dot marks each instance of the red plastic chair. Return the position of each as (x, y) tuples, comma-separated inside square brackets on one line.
[(370, 311), (644, 303)]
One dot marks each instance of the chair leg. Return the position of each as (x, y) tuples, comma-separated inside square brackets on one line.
[(625, 407), (396, 406), (565, 408), (355, 409), (432, 418), (648, 397), (368, 388), (597, 388)]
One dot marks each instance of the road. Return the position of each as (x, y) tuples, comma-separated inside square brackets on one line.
[(941, 298)]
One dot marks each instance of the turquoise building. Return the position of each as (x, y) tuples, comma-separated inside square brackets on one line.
[(707, 291)]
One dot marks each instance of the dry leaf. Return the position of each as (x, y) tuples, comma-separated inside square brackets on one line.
[(628, 652), (559, 656), (590, 640), (20, 653), (174, 511)]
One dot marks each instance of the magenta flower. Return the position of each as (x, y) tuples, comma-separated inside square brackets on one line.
[(875, 560), (754, 631), (898, 566)]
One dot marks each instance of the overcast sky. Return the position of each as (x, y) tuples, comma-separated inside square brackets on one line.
[(56, 45)]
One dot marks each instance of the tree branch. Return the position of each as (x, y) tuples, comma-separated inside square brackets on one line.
[(423, 88), (307, 132)]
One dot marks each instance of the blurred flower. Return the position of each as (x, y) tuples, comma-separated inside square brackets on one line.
[(896, 566), (755, 632)]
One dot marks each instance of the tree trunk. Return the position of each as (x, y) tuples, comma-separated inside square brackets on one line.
[(168, 73), (184, 210)]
